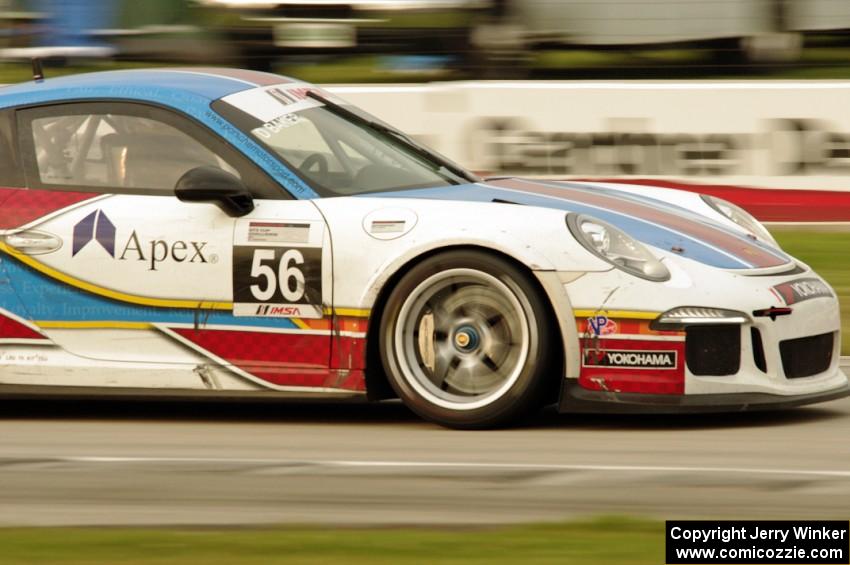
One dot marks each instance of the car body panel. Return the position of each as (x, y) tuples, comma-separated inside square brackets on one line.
[(622, 320), (117, 290), (124, 290)]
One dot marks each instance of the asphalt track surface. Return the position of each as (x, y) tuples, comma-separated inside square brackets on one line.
[(145, 463)]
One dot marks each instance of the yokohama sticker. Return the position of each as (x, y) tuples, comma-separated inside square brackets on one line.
[(629, 359), (802, 289)]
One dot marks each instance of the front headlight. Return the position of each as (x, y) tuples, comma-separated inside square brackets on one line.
[(740, 217), (613, 245), (683, 316)]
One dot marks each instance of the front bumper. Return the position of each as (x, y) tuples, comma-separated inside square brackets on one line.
[(771, 362), (575, 399)]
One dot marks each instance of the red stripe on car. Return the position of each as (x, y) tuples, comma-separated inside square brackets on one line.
[(19, 206), (738, 247), (13, 329), (766, 204), (258, 78), (281, 359)]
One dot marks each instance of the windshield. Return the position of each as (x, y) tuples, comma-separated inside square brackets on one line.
[(336, 149)]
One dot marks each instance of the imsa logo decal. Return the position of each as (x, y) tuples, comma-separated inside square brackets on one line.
[(629, 359)]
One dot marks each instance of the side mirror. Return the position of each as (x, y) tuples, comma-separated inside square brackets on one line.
[(211, 184)]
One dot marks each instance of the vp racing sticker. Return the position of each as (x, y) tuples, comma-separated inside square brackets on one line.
[(601, 325), (277, 269)]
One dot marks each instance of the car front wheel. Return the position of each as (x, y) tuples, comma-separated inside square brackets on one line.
[(465, 340)]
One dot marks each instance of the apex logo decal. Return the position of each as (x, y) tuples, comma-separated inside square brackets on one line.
[(630, 359), (96, 226), (159, 250)]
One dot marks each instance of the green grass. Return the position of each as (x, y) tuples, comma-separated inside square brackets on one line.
[(11, 73), (826, 58), (828, 253), (359, 68), (816, 62), (584, 58), (597, 542)]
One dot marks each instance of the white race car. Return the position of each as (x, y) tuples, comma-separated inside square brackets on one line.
[(221, 232)]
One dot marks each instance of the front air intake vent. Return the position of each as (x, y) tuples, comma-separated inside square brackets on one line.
[(806, 356), (758, 350), (713, 351)]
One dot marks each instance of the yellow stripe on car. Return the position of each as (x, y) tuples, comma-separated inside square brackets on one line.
[(627, 314), (353, 312), (108, 293), (94, 324), (146, 300)]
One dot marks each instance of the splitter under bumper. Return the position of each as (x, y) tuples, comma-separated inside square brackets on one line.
[(576, 399)]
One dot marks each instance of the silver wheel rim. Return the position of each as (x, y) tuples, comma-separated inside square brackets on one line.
[(463, 338)]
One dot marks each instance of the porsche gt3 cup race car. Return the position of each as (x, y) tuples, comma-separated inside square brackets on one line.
[(216, 232)]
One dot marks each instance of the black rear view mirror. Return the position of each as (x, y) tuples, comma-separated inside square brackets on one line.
[(215, 185)]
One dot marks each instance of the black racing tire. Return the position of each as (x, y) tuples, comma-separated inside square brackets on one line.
[(466, 340)]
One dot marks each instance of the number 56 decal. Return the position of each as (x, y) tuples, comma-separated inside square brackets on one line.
[(277, 281)]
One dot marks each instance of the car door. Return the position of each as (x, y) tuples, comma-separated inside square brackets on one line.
[(110, 265)]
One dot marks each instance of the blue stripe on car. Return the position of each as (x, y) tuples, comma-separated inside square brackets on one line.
[(642, 230), (45, 299), (662, 205)]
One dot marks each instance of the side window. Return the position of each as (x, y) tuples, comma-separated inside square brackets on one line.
[(115, 150), (11, 171)]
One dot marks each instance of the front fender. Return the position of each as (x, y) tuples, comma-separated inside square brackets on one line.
[(537, 238)]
